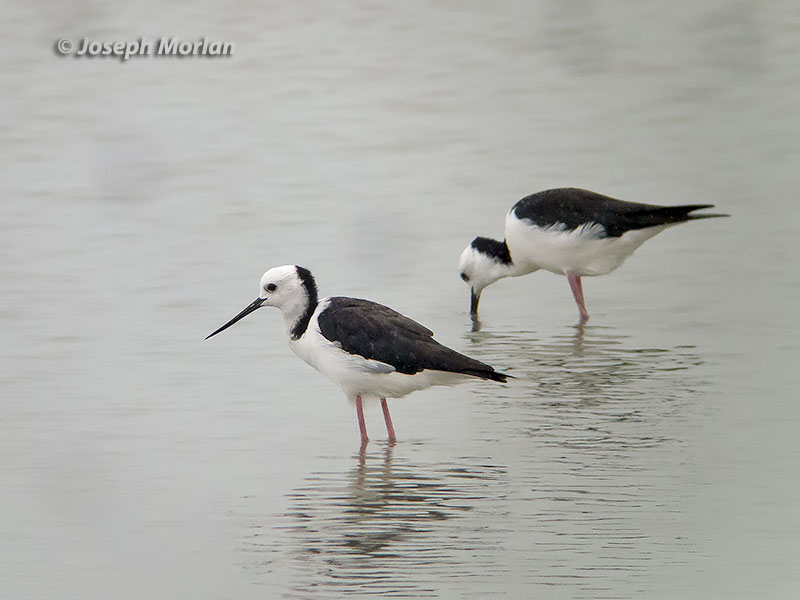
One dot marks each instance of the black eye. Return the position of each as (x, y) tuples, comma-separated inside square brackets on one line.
[(465, 277), (271, 287)]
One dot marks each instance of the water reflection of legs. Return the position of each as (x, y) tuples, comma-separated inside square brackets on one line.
[(597, 353), (584, 378), (595, 429), (476, 322), (369, 524), (580, 332)]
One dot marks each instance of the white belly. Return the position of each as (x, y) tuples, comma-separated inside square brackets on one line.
[(579, 251), (357, 375)]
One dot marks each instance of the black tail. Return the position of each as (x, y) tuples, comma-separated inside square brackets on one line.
[(641, 216), (488, 373), (681, 213)]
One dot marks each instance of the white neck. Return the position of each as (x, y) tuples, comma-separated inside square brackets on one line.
[(516, 269), (500, 270), (293, 311)]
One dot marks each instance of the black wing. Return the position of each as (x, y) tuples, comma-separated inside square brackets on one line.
[(379, 333), (575, 207)]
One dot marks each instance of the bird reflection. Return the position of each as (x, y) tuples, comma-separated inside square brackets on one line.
[(476, 322), (581, 359), (586, 386), (380, 522)]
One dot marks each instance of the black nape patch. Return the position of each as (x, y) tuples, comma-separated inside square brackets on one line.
[(492, 248), (307, 279)]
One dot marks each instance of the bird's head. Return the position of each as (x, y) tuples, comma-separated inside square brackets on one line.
[(289, 287), (482, 263), (286, 285)]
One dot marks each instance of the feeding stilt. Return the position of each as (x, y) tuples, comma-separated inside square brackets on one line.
[(567, 231)]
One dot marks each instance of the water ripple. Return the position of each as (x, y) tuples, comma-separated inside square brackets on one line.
[(383, 527)]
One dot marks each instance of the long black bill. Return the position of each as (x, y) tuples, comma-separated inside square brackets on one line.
[(255, 304), (474, 299)]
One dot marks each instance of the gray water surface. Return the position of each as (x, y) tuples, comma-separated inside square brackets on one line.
[(651, 453)]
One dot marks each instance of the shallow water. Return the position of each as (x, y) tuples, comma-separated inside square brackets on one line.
[(650, 453)]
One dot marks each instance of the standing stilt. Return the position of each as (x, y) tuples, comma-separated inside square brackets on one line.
[(577, 292), (388, 418), (361, 424)]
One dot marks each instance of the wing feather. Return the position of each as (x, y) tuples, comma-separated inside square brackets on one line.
[(376, 332), (572, 208)]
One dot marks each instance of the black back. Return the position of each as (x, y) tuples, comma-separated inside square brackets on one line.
[(379, 333), (574, 207)]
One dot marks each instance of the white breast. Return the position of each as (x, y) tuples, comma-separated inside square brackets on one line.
[(356, 375), (581, 251)]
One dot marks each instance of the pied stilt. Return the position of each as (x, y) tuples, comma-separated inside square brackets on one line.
[(367, 349), (571, 232)]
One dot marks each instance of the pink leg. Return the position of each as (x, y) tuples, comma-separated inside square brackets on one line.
[(361, 424), (388, 418), (577, 292)]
